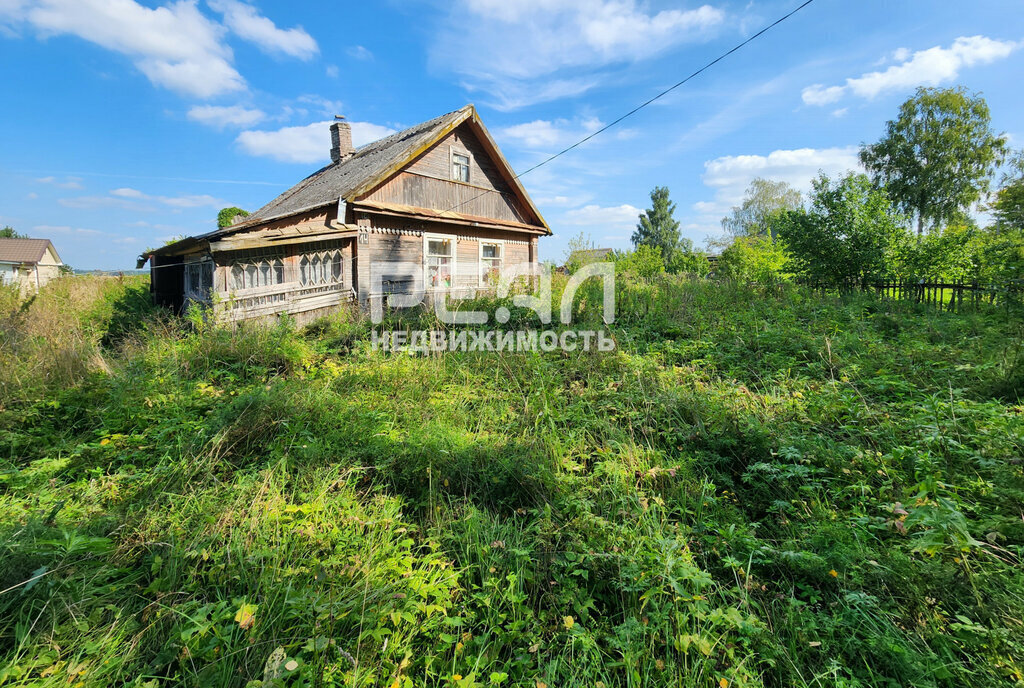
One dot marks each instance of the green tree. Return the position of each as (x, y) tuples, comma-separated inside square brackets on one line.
[(657, 227), (938, 156), (689, 262), (764, 200), (851, 232), (754, 259), (1008, 208), (8, 232), (645, 261), (228, 216)]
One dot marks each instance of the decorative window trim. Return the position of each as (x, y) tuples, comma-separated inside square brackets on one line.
[(321, 268), (453, 256), (258, 270)]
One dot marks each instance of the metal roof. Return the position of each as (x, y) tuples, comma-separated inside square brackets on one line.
[(24, 250)]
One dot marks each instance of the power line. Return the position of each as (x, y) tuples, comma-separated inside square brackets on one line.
[(632, 112), (647, 102)]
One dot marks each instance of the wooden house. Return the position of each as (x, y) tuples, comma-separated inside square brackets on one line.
[(439, 195), (29, 263)]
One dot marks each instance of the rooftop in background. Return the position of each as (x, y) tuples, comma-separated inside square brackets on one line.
[(24, 250), (589, 255)]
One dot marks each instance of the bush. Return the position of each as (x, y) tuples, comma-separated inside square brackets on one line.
[(644, 262), (758, 259)]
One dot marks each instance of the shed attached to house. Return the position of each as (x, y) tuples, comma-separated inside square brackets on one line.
[(29, 263), (439, 196)]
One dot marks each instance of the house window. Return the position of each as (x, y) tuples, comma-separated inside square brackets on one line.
[(490, 262), (440, 259), (460, 167), (322, 267), (199, 280), (257, 272)]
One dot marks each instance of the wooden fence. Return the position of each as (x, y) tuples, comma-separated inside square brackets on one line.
[(943, 296)]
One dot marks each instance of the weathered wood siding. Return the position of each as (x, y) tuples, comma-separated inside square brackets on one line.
[(467, 263), (401, 240), (288, 296), (427, 182)]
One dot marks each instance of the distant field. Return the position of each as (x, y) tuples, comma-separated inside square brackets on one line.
[(758, 488)]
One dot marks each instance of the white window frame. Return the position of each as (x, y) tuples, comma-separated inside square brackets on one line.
[(500, 243), (453, 242), (452, 152)]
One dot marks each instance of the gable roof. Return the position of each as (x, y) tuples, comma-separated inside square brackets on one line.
[(24, 250), (375, 162), (340, 180), (368, 167)]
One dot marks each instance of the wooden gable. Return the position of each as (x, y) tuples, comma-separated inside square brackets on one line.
[(427, 182)]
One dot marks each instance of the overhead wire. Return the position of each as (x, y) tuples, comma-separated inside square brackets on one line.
[(647, 102)]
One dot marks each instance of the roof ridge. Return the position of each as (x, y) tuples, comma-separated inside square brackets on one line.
[(349, 174)]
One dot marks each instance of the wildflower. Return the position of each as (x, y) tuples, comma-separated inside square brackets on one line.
[(833, 573), (568, 622)]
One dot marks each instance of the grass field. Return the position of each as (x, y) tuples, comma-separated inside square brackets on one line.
[(757, 488)]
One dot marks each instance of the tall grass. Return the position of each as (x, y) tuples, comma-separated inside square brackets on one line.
[(758, 488)]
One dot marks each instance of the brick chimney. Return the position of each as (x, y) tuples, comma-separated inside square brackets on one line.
[(341, 140)]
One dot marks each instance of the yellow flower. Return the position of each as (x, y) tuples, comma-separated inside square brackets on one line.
[(833, 573), (568, 622), (456, 677), (395, 684), (724, 683)]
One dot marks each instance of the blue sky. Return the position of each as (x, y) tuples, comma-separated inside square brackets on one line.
[(129, 122)]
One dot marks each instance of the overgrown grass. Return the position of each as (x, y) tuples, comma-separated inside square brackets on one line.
[(756, 489)]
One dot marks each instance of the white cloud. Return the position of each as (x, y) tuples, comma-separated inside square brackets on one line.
[(358, 52), (175, 46), (929, 67), (840, 112), (730, 176), (246, 22), (128, 198), (65, 183), (520, 49), (126, 192), (822, 95), (305, 144), (221, 116), (324, 106), (332, 71), (94, 202), (547, 134), (617, 216), (901, 54)]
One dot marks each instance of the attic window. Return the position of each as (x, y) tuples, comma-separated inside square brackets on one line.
[(460, 167)]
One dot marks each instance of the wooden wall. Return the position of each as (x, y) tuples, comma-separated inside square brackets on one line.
[(395, 239), (427, 182), (290, 296)]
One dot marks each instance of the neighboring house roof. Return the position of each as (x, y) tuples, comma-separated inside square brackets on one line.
[(368, 167), (25, 250), (590, 254)]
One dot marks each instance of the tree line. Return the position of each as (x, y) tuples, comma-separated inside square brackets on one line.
[(908, 217)]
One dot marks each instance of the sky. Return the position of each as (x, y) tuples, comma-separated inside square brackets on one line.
[(128, 123)]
